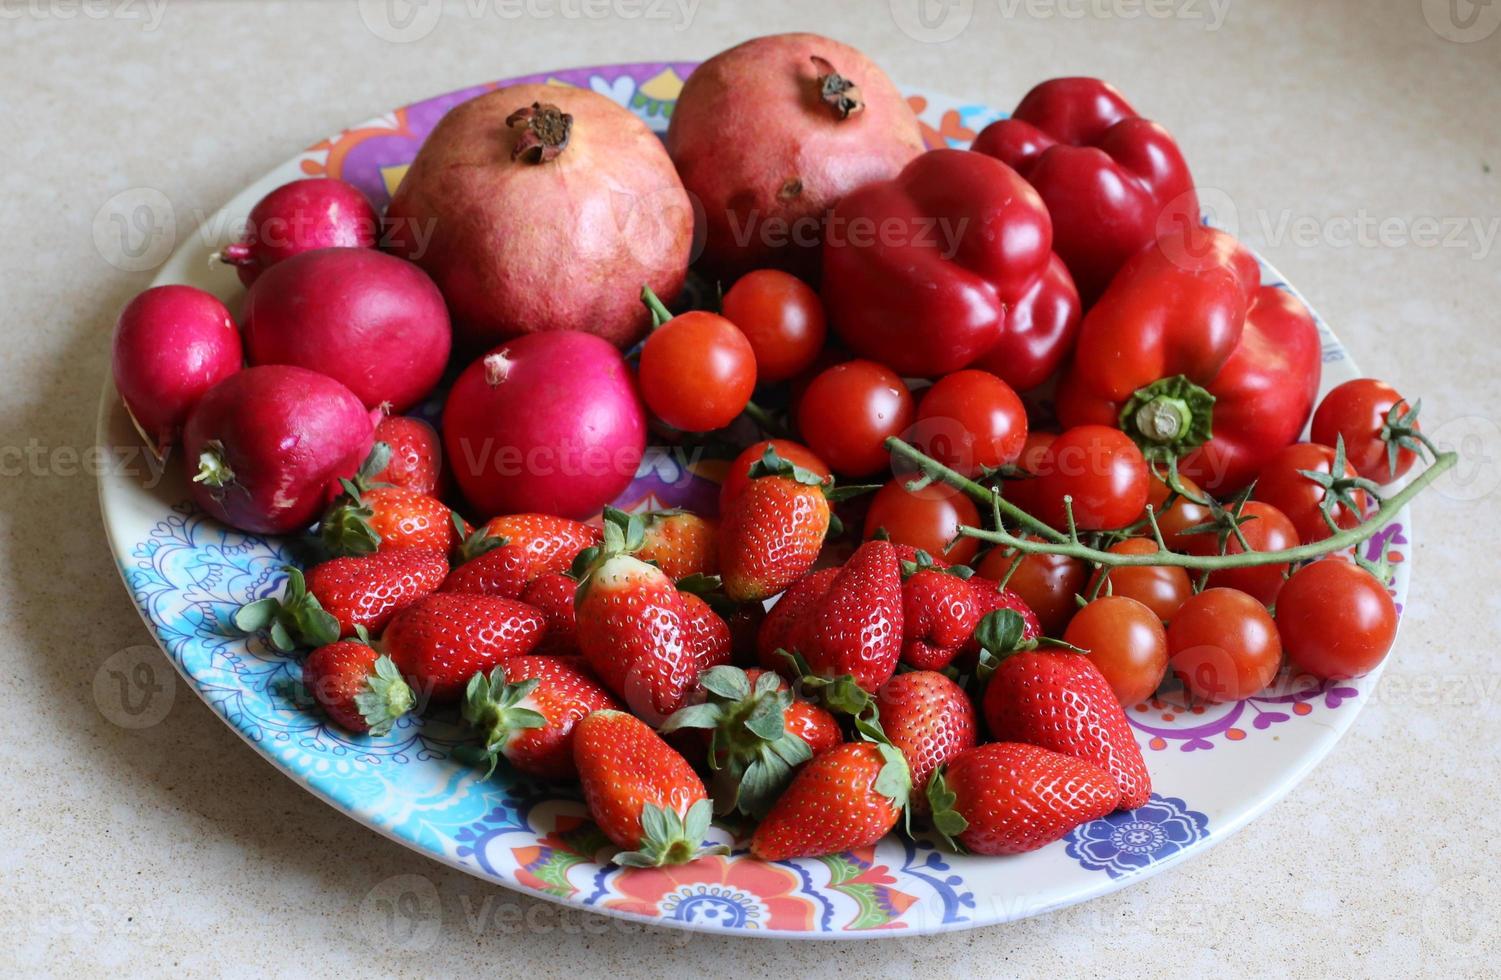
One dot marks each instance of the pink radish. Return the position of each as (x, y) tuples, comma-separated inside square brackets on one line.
[(300, 217), (370, 320), (266, 448), (549, 423), (172, 343)]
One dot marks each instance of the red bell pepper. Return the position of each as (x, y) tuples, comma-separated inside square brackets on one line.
[(1196, 360), (936, 268), (1112, 181)]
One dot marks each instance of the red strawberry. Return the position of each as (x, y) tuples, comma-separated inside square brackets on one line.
[(551, 542), (386, 518), (641, 793), (1010, 797), (776, 629), (501, 571), (416, 454), (680, 543), (553, 594), (442, 640), (370, 590), (358, 688), (708, 635), (632, 631), (850, 796), (856, 628), (758, 734), (929, 719), (773, 531), (939, 614), (1061, 701), (528, 708)]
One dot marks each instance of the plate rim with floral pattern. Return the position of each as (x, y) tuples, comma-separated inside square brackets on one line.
[(1214, 768)]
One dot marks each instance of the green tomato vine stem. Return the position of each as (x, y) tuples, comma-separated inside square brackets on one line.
[(1058, 543)]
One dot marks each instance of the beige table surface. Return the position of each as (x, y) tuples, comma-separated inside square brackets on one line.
[(1347, 136)]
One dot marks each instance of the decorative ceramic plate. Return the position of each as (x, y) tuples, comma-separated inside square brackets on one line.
[(1214, 767)]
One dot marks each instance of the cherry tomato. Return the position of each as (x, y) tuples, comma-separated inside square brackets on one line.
[(697, 372), (1101, 469), (1023, 492), (1283, 485), (1335, 620), (1357, 410), (847, 413), (1126, 641), (927, 519), (971, 421), (1182, 514), (1266, 529), (1161, 588), (1223, 645), (737, 475), (782, 318), (1047, 583)]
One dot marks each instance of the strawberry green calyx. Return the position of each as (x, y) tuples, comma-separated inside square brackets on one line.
[(476, 542), (894, 781), (772, 463), (948, 822), (295, 620), (624, 534), (492, 706), (345, 529), (751, 754), (668, 837), (386, 697), (213, 469), (841, 695)]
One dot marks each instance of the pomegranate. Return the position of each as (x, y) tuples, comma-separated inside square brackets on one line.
[(540, 207), (771, 134)]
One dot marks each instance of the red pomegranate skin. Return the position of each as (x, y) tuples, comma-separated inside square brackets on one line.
[(372, 321), (548, 423), (287, 434), (767, 158), (521, 247)]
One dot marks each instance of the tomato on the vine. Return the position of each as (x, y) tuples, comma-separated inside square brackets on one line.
[(1358, 410), (1125, 640), (737, 476), (783, 319), (1283, 485), (847, 413), (1101, 470), (971, 421), (1265, 528), (1023, 491), (1047, 583), (927, 519), (1336, 620), (1184, 512), (697, 372), (1160, 588), (1223, 645)]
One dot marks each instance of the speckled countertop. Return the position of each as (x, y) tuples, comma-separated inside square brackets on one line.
[(1357, 143)]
